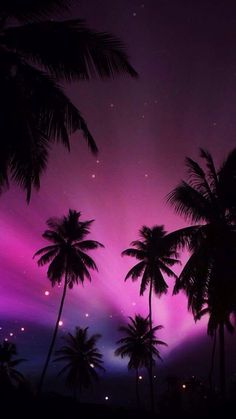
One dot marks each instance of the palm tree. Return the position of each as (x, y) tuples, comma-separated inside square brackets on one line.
[(82, 359), (135, 345), (9, 375), (67, 259), (208, 199), (155, 257), (37, 53)]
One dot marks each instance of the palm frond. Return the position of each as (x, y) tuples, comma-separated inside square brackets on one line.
[(190, 203), (136, 271), (25, 10), (90, 53)]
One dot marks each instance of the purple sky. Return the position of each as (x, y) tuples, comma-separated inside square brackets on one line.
[(185, 98)]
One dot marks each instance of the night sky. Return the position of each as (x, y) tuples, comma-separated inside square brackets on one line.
[(185, 97)]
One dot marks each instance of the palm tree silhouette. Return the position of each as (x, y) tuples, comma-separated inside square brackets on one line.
[(155, 257), (67, 259), (37, 53), (82, 359), (208, 199), (136, 346), (9, 375)]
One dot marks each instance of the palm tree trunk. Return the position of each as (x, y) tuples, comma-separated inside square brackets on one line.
[(212, 359), (150, 349), (53, 338), (137, 388), (222, 358)]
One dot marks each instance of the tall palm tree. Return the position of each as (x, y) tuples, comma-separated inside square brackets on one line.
[(37, 53), (135, 345), (155, 257), (9, 375), (208, 199), (67, 259), (82, 359)]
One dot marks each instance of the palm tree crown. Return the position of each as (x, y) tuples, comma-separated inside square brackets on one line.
[(155, 256), (135, 344), (82, 358), (36, 54), (66, 255), (208, 277)]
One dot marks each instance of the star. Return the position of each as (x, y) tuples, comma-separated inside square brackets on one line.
[(106, 398), (93, 175), (60, 323), (11, 334), (86, 315), (134, 14), (46, 293), (22, 329), (146, 175)]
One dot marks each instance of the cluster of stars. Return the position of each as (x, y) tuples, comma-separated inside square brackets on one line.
[(11, 334)]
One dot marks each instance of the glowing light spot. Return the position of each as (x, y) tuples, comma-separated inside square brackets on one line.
[(22, 329), (0, 328), (11, 334), (112, 105), (146, 175), (106, 398), (134, 14), (93, 176), (46, 293), (91, 365), (184, 386), (133, 303), (97, 161), (6, 340), (60, 323), (140, 377), (143, 116), (110, 316), (154, 376), (86, 315)]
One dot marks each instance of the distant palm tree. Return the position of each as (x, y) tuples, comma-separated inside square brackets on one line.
[(67, 259), (36, 54), (155, 257), (9, 376), (82, 359), (208, 199), (135, 345)]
